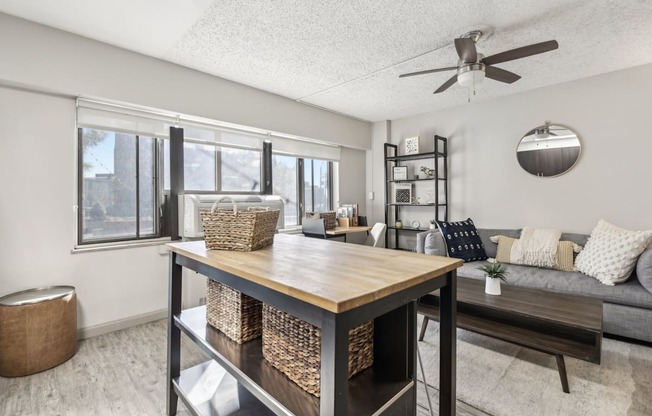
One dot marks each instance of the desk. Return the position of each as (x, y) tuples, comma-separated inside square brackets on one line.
[(339, 231), (334, 287)]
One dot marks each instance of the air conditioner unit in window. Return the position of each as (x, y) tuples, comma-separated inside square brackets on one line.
[(190, 205)]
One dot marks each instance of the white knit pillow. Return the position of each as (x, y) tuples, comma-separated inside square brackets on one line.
[(611, 252)]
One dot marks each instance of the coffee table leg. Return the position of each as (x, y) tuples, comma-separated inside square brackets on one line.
[(424, 325), (561, 366)]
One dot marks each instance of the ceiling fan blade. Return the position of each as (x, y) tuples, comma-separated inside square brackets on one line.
[(428, 71), (446, 84), (521, 52), (500, 74), (466, 49)]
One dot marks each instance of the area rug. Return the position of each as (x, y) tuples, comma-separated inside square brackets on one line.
[(504, 379)]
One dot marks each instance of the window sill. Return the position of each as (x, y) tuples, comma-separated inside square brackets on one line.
[(88, 248)]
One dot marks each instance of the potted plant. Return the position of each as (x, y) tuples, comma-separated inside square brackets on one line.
[(494, 273), (433, 225)]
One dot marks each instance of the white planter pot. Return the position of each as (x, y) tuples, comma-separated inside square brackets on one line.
[(491, 286), (433, 226)]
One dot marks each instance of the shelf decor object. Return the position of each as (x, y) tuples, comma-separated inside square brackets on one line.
[(403, 193), (399, 173), (293, 347), (430, 180), (412, 145)]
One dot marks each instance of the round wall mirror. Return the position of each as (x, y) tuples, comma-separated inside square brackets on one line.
[(548, 150)]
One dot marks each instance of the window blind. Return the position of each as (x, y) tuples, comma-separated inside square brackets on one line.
[(113, 117), (156, 123), (305, 149)]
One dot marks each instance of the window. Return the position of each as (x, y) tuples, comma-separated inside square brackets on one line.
[(124, 169), (199, 167), (284, 174), (211, 168), (240, 170), (315, 193), (118, 191), (316, 180)]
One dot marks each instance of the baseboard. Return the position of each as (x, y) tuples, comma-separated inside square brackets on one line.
[(93, 331)]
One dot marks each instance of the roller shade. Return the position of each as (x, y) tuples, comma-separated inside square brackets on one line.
[(222, 136), (104, 116), (305, 149)]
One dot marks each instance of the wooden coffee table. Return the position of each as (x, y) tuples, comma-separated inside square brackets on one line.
[(557, 324)]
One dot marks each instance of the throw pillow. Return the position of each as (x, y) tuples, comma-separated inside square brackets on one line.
[(611, 252), (434, 245), (462, 240), (565, 250), (644, 269)]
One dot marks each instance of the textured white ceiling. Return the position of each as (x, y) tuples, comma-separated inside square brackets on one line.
[(346, 55)]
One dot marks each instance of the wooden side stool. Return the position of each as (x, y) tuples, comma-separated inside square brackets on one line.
[(38, 330)]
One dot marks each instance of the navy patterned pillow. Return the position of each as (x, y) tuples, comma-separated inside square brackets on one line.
[(462, 240)]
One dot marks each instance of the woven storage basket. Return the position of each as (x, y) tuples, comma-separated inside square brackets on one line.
[(244, 230), (233, 313), (294, 347), (330, 218)]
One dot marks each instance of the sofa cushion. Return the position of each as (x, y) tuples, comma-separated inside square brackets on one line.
[(611, 252), (434, 245), (486, 234), (563, 260), (644, 269), (462, 240), (630, 293)]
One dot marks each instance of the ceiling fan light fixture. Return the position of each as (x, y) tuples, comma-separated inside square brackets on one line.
[(470, 75)]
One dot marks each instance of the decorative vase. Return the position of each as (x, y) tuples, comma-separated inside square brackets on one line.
[(492, 286), (399, 224)]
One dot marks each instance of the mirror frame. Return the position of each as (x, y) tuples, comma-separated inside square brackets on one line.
[(548, 125)]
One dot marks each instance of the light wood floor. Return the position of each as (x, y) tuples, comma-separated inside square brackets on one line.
[(121, 373)]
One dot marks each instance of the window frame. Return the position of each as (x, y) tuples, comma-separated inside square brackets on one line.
[(217, 155), (158, 192), (301, 186)]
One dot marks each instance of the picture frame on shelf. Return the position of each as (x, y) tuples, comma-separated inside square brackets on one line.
[(403, 193), (412, 145), (399, 173)]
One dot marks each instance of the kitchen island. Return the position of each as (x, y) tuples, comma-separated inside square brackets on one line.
[(334, 287)]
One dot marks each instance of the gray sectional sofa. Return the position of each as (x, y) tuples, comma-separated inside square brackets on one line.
[(627, 307)]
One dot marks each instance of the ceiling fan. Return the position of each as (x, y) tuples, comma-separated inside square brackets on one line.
[(472, 67)]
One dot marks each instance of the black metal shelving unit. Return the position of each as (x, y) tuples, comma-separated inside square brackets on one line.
[(392, 210)]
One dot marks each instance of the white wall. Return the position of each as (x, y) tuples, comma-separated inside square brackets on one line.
[(610, 113), (58, 61), (352, 185), (375, 170), (37, 163)]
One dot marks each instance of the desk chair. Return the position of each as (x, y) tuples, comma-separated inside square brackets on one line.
[(376, 235), (313, 227)]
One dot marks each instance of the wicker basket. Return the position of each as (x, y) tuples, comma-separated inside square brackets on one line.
[(294, 347), (245, 230), (330, 218), (233, 313)]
